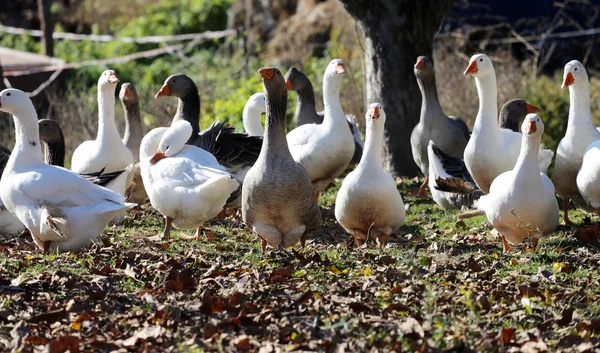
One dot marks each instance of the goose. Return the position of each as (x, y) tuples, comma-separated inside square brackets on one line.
[(450, 183), (107, 152), (51, 134), (482, 156), (306, 111), (9, 223), (368, 203), (278, 200), (132, 139), (252, 116), (61, 209), (450, 134), (325, 150), (521, 202), (581, 132), (588, 178), (185, 183), (237, 152)]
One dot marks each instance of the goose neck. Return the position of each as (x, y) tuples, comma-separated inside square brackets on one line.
[(188, 109), (107, 128), (55, 152), (372, 153), (274, 139), (488, 101), (27, 151), (133, 123), (580, 115), (305, 102), (527, 164), (430, 104)]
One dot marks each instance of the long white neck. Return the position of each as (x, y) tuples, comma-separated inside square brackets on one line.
[(372, 152), (107, 129), (334, 114), (252, 121), (580, 115), (27, 151), (488, 103), (526, 168)]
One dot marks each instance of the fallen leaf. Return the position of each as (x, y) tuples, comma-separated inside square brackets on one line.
[(49, 317), (506, 335)]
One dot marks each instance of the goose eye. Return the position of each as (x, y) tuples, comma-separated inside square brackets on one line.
[(167, 148), (8, 94), (575, 69), (481, 59)]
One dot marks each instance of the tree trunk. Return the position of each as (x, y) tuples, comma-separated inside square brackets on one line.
[(396, 33), (46, 26)]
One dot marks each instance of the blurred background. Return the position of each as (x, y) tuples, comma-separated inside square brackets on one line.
[(529, 42)]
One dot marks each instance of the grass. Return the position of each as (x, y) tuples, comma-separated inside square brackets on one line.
[(439, 285)]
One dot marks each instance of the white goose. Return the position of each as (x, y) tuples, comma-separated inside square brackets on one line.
[(9, 224), (368, 203), (108, 150), (492, 150), (521, 202), (185, 183), (60, 208), (588, 178), (252, 116), (326, 149), (580, 133)]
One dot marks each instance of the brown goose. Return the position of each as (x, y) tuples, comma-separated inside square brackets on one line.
[(450, 134), (132, 139), (278, 200)]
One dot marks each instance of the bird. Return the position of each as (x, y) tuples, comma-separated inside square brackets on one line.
[(368, 203), (62, 210), (185, 183), (278, 200), (325, 150), (521, 202), (450, 134)]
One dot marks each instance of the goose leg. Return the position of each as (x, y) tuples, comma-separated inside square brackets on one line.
[(507, 247), (534, 242), (566, 203), (46, 247), (422, 193), (303, 240), (221, 216), (263, 245), (383, 240), (317, 195), (167, 231)]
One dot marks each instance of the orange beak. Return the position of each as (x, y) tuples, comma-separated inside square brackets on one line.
[(532, 128), (126, 92), (289, 85), (164, 91), (112, 78), (266, 73), (158, 155), (375, 113), (420, 65), (569, 79), (532, 108), (472, 69), (339, 69)]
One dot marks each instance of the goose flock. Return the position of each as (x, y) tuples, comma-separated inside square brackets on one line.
[(275, 177)]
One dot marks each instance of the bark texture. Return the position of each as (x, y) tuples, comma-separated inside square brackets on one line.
[(46, 26), (396, 33)]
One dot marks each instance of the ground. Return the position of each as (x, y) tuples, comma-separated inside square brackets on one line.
[(439, 286)]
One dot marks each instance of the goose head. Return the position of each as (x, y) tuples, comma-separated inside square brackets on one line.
[(480, 65), (423, 67), (533, 126), (12, 101), (177, 85), (150, 143), (173, 141), (275, 91), (375, 114), (574, 75), (256, 103), (128, 93), (108, 80), (296, 80), (50, 131), (335, 69)]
